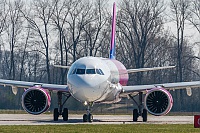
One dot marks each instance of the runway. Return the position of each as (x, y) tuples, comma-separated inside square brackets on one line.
[(44, 119)]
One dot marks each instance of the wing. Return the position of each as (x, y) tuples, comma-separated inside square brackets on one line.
[(60, 66), (168, 86), (148, 69), (23, 84)]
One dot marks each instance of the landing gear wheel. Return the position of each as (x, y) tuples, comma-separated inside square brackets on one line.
[(65, 114), (87, 118), (135, 115), (90, 118), (84, 118), (144, 115), (55, 114)]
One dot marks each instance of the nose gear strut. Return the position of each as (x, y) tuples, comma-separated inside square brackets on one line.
[(88, 117)]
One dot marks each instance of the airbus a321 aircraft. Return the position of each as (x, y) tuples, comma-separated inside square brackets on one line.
[(99, 80)]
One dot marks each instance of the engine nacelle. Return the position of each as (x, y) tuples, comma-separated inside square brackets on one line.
[(36, 100), (158, 101)]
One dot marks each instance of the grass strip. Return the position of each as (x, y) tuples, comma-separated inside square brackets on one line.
[(90, 128)]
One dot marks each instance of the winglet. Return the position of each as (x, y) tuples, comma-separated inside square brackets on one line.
[(112, 43)]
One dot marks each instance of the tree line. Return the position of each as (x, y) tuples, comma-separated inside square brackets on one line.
[(36, 34)]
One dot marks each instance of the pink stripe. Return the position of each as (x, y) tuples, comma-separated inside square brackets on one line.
[(123, 75)]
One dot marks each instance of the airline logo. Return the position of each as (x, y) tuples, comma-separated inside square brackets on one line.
[(196, 121)]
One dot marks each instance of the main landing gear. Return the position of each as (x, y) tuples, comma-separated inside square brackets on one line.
[(60, 111), (88, 117), (140, 111)]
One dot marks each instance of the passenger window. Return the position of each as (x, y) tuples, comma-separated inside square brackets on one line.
[(80, 71), (90, 71)]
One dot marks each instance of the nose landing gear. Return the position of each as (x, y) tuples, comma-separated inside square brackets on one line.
[(88, 117)]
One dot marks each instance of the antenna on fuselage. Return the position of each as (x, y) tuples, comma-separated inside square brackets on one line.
[(112, 42)]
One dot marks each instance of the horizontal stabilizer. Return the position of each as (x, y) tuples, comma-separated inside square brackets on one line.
[(148, 69), (59, 66)]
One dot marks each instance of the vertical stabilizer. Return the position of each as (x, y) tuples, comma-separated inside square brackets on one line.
[(112, 43)]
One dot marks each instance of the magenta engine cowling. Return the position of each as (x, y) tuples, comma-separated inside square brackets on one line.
[(158, 101), (36, 100)]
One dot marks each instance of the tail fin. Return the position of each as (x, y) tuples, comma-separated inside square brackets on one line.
[(112, 43)]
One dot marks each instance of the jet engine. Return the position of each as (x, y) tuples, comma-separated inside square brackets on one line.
[(158, 101), (36, 100)]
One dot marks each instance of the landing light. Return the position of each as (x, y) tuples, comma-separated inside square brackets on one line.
[(85, 103)]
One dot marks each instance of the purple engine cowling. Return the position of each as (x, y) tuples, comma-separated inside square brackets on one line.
[(36, 100), (158, 101)]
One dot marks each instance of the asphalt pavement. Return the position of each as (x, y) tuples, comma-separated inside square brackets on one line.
[(47, 119)]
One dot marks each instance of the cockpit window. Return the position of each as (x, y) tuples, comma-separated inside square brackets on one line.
[(80, 71), (90, 71), (99, 71), (87, 71), (74, 71)]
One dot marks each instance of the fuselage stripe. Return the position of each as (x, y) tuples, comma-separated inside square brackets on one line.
[(123, 75)]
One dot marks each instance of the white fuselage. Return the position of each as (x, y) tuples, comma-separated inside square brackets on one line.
[(94, 79)]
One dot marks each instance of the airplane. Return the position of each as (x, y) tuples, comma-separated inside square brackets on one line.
[(99, 80)]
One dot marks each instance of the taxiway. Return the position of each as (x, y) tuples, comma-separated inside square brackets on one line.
[(46, 119)]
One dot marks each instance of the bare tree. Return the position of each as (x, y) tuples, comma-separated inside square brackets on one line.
[(139, 23), (59, 21), (195, 18), (180, 14), (14, 27), (3, 19), (23, 54), (79, 17), (93, 31), (180, 10), (43, 11), (195, 14), (3, 15)]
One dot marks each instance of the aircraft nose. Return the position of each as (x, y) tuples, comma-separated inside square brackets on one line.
[(89, 81), (86, 87)]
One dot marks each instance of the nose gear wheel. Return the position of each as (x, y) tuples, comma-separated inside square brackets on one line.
[(88, 117)]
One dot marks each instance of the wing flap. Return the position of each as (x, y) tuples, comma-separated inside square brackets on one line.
[(23, 84), (168, 86)]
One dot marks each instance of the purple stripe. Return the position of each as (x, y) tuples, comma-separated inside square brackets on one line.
[(112, 44)]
